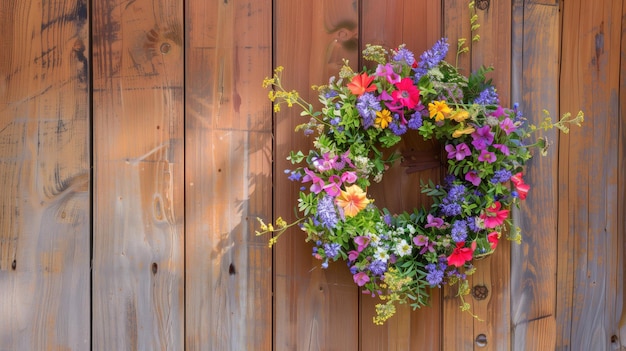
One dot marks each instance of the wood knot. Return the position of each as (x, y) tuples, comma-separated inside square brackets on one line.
[(480, 292), (481, 340), (482, 4)]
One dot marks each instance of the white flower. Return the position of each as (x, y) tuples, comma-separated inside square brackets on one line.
[(381, 254), (403, 248)]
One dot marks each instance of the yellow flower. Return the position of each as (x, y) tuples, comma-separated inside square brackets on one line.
[(460, 115), (438, 110), (383, 118), (463, 130), (352, 200)]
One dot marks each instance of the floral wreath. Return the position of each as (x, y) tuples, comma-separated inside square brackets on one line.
[(399, 257)]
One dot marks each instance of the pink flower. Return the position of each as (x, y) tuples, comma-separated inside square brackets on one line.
[(387, 72), (423, 242), (433, 221), (407, 94), (487, 156), (333, 188), (508, 126), (503, 149), (361, 278), (493, 239), (318, 183), (472, 177), (349, 177), (461, 254), (353, 255), (361, 242), (459, 152), (521, 187), (494, 216)]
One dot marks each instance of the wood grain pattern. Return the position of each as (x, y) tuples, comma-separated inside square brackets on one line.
[(591, 247), (418, 25), (228, 175), (533, 267), (314, 309), (138, 175), (44, 171)]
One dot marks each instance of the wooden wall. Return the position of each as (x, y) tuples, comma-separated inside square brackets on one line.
[(137, 147)]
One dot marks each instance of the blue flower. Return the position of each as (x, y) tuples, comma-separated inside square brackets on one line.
[(331, 250), (416, 121), (431, 58), (368, 105), (326, 212), (405, 55), (435, 274), (378, 267), (501, 176), (459, 231), (489, 96)]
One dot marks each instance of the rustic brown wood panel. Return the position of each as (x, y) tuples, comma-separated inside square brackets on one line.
[(533, 263), (418, 25), (228, 178), (315, 309), (138, 175), (44, 172), (591, 247), (620, 336)]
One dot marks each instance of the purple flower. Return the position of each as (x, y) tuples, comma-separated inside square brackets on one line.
[(368, 105), (459, 231), (396, 127), (423, 242), (378, 267), (331, 249), (450, 209), (432, 57), (487, 97), (455, 194), (482, 137), (327, 213), (361, 278), (405, 55), (416, 120), (433, 221), (459, 152), (487, 156), (503, 149), (501, 176), (435, 274)]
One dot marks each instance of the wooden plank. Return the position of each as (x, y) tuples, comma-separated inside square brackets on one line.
[(533, 263), (44, 171), (619, 338), (457, 326), (138, 175), (228, 176), (418, 25), (494, 273), (315, 309), (591, 246)]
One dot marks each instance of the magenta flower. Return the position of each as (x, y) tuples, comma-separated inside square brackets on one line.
[(459, 152), (503, 149), (349, 177), (482, 137), (333, 188), (423, 242), (387, 72), (494, 216), (353, 255), (361, 278), (433, 221), (499, 112), (361, 242), (487, 156), (472, 177), (318, 183), (325, 163), (407, 94), (508, 126)]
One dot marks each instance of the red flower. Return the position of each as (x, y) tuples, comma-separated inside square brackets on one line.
[(493, 239), (494, 216), (461, 254), (521, 187), (360, 84), (407, 94)]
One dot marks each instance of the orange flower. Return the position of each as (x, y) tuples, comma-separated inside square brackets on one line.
[(352, 200), (360, 84)]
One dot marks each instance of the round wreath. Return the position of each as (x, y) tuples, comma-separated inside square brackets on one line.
[(399, 257)]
